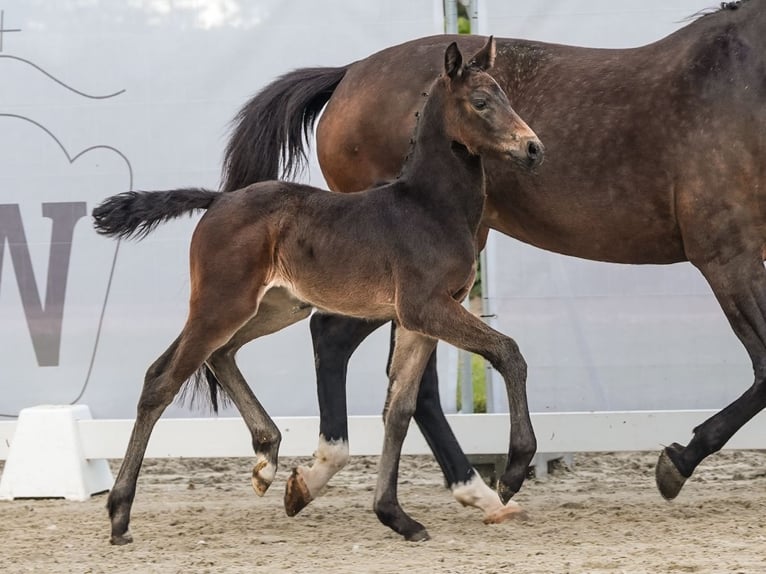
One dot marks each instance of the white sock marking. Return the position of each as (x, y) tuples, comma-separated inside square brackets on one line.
[(329, 458)]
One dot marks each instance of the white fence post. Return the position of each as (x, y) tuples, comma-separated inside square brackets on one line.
[(47, 460)]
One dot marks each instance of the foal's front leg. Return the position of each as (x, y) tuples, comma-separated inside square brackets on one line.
[(335, 339), (411, 353), (465, 482), (446, 319)]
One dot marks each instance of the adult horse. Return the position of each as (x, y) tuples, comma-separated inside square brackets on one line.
[(364, 255), (655, 155)]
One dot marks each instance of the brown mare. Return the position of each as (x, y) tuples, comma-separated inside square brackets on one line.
[(655, 155), (404, 251)]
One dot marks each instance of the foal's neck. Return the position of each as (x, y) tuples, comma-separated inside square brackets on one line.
[(440, 169)]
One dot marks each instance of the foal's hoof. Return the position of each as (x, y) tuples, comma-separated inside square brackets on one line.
[(669, 479), (297, 495), (263, 476), (121, 539), (511, 511), (420, 535)]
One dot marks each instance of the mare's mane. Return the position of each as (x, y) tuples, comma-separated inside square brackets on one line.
[(723, 7), (731, 5)]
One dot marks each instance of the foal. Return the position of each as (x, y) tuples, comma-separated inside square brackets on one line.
[(405, 251)]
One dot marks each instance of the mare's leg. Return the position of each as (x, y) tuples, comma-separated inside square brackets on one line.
[(739, 284), (411, 353), (335, 339), (277, 310), (446, 319), (202, 334), (466, 484)]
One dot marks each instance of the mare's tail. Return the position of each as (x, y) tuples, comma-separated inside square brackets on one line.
[(137, 213), (271, 127)]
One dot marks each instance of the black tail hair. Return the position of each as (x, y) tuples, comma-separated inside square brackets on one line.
[(273, 124), (203, 391), (271, 128), (137, 213)]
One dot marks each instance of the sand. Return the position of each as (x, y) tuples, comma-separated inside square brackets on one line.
[(602, 514)]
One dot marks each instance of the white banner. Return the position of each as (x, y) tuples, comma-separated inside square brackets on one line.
[(100, 97)]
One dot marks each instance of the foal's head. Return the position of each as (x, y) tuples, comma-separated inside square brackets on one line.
[(478, 114)]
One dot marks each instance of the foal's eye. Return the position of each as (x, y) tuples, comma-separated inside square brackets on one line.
[(479, 104)]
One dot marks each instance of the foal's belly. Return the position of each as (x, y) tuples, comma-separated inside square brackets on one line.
[(345, 297)]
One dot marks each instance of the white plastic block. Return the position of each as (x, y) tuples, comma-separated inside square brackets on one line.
[(46, 458)]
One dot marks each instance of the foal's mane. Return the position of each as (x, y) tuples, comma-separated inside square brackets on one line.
[(413, 138), (470, 66)]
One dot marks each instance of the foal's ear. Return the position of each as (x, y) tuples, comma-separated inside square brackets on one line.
[(453, 61), (484, 59)]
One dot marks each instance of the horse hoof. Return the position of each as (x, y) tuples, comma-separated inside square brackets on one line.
[(505, 492), (669, 479), (418, 536), (297, 495), (121, 539), (511, 511), (263, 476)]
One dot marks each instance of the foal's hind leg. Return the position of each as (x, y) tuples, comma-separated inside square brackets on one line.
[(159, 390), (740, 286), (411, 353), (209, 326), (277, 310), (335, 339), (162, 382)]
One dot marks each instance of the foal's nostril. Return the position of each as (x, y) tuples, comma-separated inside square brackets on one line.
[(535, 151)]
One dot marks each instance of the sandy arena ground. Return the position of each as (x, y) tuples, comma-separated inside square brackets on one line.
[(602, 515)]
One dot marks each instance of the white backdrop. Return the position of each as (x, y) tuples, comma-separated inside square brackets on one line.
[(601, 336), (148, 87)]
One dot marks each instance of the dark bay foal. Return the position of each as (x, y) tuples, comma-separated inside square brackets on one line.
[(404, 252)]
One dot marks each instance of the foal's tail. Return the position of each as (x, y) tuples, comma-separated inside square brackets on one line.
[(273, 124), (137, 213)]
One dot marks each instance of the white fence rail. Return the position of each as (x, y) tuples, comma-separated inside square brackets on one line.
[(477, 434)]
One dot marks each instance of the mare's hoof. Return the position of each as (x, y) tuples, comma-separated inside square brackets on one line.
[(297, 495), (669, 479), (418, 536), (511, 511), (121, 539), (505, 492), (263, 476)]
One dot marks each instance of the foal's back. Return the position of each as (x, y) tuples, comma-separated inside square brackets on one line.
[(345, 253)]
